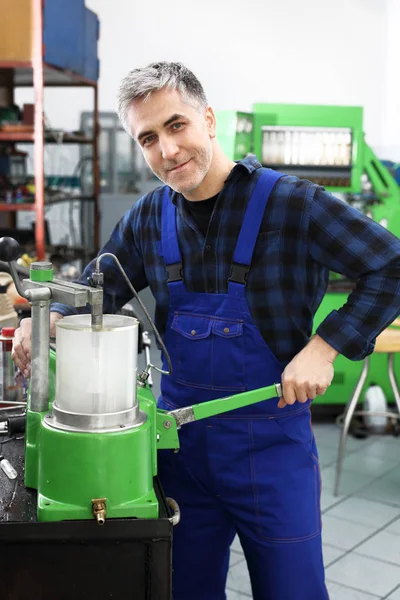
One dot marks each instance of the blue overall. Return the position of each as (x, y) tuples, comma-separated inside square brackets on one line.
[(253, 471)]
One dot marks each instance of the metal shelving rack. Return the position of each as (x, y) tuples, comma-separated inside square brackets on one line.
[(39, 74)]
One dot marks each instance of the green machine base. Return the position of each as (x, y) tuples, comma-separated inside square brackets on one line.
[(72, 469), (76, 468)]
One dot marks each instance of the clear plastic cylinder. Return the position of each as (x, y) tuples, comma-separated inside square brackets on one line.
[(96, 368)]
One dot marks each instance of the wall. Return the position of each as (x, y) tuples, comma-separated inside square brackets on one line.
[(389, 85), (310, 52)]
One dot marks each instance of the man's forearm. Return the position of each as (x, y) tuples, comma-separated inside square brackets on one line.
[(54, 317), (326, 350)]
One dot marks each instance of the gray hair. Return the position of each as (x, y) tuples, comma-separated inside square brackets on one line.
[(140, 83)]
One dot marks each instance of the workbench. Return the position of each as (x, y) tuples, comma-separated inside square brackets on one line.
[(125, 559)]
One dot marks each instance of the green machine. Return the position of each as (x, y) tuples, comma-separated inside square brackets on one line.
[(92, 425), (325, 144)]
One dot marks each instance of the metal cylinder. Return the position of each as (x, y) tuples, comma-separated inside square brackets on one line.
[(39, 400), (96, 374)]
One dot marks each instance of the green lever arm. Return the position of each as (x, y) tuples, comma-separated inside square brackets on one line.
[(222, 405)]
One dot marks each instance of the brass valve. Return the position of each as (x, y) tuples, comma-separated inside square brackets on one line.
[(99, 510)]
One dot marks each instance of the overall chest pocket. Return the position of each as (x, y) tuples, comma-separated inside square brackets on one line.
[(209, 352)]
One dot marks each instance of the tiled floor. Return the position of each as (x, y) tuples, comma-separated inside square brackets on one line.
[(361, 527)]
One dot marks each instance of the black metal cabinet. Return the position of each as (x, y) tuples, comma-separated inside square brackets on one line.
[(126, 559)]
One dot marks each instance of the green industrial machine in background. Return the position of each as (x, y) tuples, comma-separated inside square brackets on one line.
[(326, 145)]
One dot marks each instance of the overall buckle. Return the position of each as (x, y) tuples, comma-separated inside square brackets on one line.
[(239, 273), (174, 272)]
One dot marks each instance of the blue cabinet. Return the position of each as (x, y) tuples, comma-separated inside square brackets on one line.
[(70, 37), (91, 61)]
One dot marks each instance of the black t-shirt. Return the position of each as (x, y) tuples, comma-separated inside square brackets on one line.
[(201, 211)]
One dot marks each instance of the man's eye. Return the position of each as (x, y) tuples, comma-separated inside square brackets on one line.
[(148, 140), (177, 126)]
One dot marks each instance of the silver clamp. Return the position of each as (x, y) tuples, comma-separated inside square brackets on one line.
[(182, 415)]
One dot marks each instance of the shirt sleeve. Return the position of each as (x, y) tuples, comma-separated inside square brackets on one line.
[(345, 241), (125, 245)]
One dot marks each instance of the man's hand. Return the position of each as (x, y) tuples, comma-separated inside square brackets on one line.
[(309, 374), (22, 344)]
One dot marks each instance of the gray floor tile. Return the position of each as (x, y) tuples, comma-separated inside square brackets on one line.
[(393, 475), (385, 490), (238, 578), (384, 447), (327, 456), (384, 546), (232, 595), (340, 592), (389, 440), (328, 499), (365, 574), (360, 462), (343, 534), (328, 436), (236, 545), (366, 512), (395, 595), (331, 553), (235, 557), (350, 481), (394, 527)]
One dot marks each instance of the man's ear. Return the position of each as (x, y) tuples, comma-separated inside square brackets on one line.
[(211, 122)]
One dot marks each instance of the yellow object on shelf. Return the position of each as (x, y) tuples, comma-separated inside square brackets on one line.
[(26, 260), (16, 30)]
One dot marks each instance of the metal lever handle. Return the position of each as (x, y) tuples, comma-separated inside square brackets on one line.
[(146, 344), (173, 505), (10, 251), (188, 414)]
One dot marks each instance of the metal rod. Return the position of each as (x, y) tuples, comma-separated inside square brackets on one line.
[(19, 402), (96, 169), (15, 276), (393, 381), (146, 344), (40, 355), (351, 407), (37, 63), (97, 315)]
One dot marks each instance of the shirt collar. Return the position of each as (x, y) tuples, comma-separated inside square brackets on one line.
[(250, 163)]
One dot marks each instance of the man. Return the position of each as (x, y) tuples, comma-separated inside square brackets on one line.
[(237, 257)]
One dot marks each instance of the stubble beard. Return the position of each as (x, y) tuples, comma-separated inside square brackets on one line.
[(203, 161)]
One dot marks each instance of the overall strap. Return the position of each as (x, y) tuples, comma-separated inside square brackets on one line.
[(169, 241), (249, 231)]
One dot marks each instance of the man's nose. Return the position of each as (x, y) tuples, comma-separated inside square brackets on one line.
[(169, 148)]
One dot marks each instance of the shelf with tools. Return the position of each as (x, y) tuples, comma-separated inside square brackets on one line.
[(52, 75), (32, 32), (50, 137), (4, 206)]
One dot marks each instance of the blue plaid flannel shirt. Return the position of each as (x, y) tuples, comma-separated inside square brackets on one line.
[(305, 233)]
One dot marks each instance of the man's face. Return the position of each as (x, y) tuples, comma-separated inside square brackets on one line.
[(175, 137)]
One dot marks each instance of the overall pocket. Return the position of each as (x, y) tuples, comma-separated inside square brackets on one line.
[(209, 352), (286, 478)]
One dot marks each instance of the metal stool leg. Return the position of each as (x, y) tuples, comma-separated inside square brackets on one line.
[(393, 382), (348, 415)]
